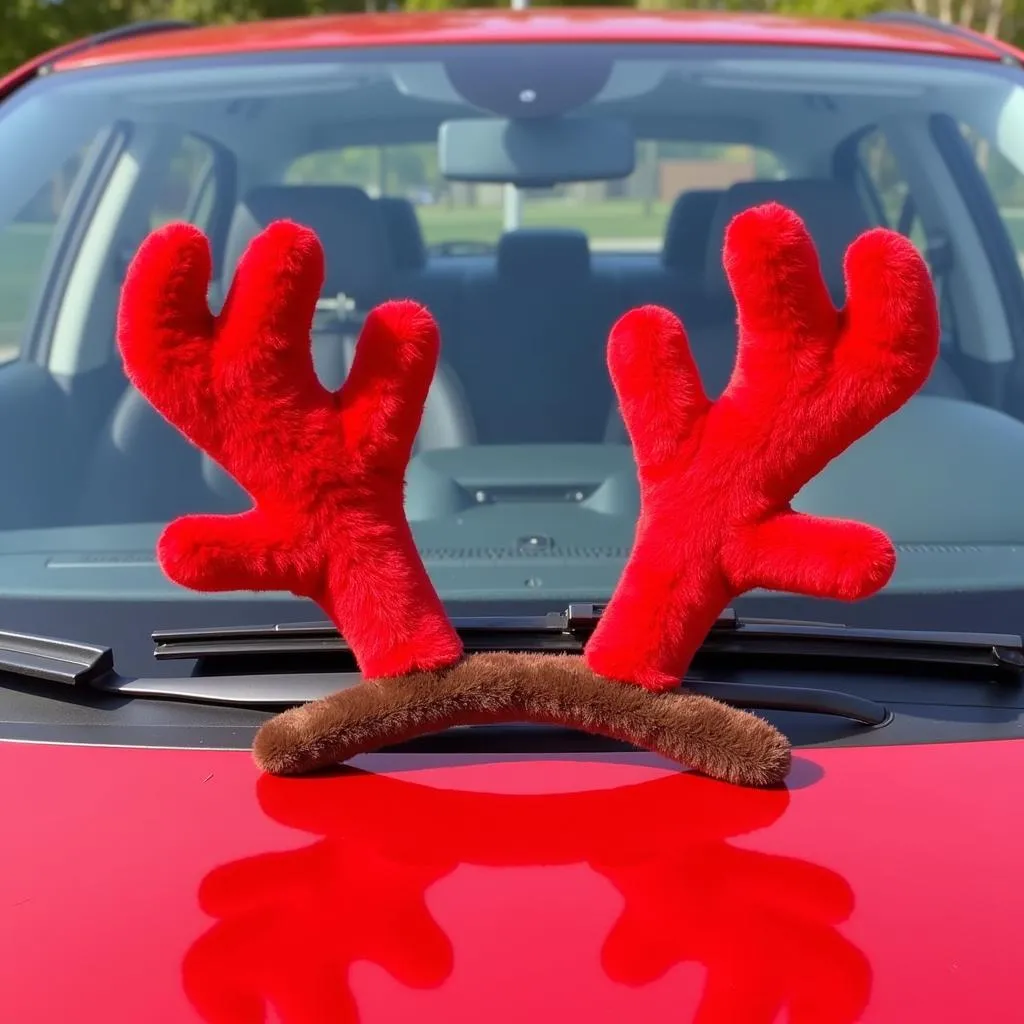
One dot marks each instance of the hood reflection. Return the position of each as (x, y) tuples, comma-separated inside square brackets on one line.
[(290, 925)]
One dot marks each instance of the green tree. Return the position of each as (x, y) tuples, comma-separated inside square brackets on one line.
[(29, 27)]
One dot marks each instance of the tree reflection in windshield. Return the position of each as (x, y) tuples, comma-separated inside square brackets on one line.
[(394, 881)]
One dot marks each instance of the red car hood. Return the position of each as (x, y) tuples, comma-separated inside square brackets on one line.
[(147, 886)]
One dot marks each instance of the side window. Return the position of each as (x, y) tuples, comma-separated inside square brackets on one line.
[(887, 188), (187, 191), (24, 249), (189, 185), (626, 215), (888, 194), (1006, 184)]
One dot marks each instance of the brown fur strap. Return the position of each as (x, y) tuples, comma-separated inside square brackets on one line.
[(547, 689)]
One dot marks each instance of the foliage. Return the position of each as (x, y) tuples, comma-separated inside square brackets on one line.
[(28, 27)]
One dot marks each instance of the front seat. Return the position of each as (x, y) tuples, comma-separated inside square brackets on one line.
[(144, 471)]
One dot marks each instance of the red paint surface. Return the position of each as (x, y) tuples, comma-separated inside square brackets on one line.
[(576, 26), (178, 886), (17, 77)]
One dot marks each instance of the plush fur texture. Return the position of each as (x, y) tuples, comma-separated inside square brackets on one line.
[(550, 689), (325, 471), (717, 478)]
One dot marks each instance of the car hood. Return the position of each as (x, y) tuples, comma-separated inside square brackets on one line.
[(883, 884)]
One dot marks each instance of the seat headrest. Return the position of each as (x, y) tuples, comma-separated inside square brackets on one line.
[(351, 227), (543, 254), (831, 210), (686, 234), (404, 231)]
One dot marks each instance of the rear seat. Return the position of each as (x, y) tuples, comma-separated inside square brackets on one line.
[(834, 216), (404, 233), (676, 282), (530, 342)]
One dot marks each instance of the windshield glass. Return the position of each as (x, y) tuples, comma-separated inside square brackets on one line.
[(522, 484)]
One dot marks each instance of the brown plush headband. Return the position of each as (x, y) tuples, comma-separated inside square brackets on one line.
[(326, 470)]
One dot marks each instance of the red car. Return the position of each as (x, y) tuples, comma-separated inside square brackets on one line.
[(149, 873)]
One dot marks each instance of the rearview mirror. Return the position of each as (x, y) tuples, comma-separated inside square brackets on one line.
[(536, 152)]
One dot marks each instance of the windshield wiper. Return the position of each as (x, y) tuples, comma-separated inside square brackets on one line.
[(278, 666), (732, 637), (241, 657), (85, 667), (53, 660)]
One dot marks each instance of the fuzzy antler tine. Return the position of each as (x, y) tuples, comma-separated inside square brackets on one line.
[(785, 316), (656, 380), (891, 337), (383, 396), (325, 470), (258, 348), (165, 327), (810, 555), (273, 298), (810, 380), (263, 359)]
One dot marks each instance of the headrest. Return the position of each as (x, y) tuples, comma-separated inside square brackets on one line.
[(404, 231), (686, 234), (831, 210), (543, 254), (350, 225)]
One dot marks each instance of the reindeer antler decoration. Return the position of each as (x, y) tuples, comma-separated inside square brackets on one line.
[(326, 473)]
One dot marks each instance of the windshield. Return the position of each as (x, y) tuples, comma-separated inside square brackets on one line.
[(522, 485)]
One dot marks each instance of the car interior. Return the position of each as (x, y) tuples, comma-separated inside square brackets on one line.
[(524, 324)]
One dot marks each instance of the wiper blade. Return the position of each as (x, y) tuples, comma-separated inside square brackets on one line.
[(269, 685), (1002, 653), (54, 660), (88, 667), (732, 636)]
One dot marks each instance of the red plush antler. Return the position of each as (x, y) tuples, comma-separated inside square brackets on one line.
[(326, 473), (717, 478), (326, 470)]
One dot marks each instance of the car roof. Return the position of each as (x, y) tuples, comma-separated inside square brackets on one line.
[(547, 25)]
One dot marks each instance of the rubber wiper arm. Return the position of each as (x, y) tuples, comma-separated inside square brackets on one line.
[(811, 700), (287, 689), (54, 660)]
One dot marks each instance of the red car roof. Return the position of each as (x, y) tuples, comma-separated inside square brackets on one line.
[(533, 26)]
